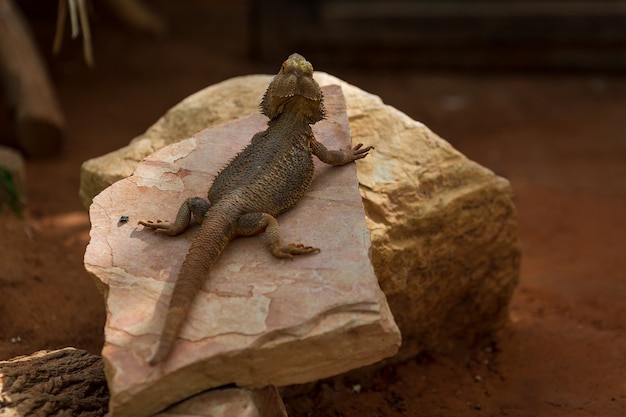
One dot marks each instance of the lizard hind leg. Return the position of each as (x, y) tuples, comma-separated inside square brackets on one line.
[(254, 223), (195, 207)]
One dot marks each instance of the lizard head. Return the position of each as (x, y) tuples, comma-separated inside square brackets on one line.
[(295, 79)]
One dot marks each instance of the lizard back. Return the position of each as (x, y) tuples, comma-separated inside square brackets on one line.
[(274, 171)]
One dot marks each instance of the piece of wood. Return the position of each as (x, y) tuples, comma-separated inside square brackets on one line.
[(40, 125), (65, 382)]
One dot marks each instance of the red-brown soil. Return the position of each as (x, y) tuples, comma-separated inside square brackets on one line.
[(559, 138)]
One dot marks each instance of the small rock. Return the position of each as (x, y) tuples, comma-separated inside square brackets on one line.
[(230, 402)]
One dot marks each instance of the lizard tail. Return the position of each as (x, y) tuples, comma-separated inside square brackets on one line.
[(210, 241)]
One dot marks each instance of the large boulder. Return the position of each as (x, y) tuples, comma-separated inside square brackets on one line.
[(443, 228)]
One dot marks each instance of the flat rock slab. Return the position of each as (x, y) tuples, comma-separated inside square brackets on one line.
[(258, 321)]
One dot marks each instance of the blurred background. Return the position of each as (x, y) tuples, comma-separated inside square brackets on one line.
[(398, 49), (450, 34)]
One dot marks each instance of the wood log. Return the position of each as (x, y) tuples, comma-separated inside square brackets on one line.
[(40, 125), (65, 382)]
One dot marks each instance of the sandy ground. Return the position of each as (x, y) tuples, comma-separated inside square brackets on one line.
[(559, 138)]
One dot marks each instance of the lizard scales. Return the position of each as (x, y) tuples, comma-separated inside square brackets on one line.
[(268, 177)]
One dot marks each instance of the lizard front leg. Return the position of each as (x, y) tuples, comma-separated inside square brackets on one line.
[(195, 207), (254, 223), (340, 157)]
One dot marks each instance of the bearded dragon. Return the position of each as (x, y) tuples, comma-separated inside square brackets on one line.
[(268, 177)]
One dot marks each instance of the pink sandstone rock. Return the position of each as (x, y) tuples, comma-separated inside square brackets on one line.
[(258, 320)]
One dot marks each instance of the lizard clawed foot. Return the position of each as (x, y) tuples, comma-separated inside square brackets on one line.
[(291, 249), (358, 152), (164, 228)]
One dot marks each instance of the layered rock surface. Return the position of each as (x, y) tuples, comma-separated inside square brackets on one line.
[(258, 321)]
